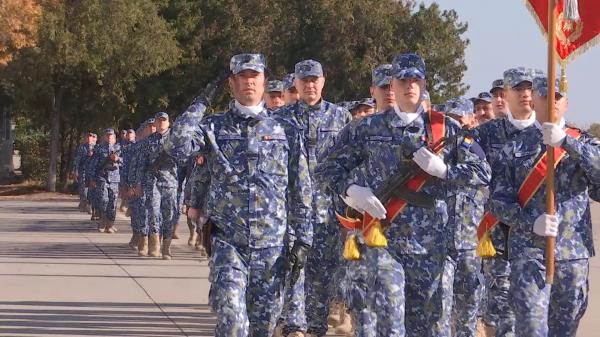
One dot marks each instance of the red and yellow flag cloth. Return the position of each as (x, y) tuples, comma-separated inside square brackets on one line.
[(573, 37)]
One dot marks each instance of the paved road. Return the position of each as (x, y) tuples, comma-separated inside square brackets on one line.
[(58, 277)]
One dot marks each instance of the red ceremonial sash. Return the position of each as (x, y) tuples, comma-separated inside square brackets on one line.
[(395, 206), (530, 185)]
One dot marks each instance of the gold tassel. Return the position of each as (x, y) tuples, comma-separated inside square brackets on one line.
[(485, 247), (375, 236), (351, 251), (563, 85)]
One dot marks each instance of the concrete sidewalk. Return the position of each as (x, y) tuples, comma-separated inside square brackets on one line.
[(59, 277)]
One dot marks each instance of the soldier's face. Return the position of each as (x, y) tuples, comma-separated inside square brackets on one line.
[(274, 99), (163, 124), (408, 92), (90, 139), (291, 96), (498, 103), (484, 111), (111, 138), (540, 104), (519, 100), (384, 97), (310, 88), (130, 136), (248, 87), (152, 128), (362, 111)]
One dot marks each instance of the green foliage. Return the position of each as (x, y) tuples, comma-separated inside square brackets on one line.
[(594, 129), (33, 148), (115, 62)]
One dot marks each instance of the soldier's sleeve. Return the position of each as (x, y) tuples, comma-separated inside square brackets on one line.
[(299, 197), (77, 159), (586, 150), (199, 183), (132, 165), (334, 172), (466, 159), (95, 164), (145, 157), (186, 135)]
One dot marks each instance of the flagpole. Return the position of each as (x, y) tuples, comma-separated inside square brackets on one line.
[(550, 206)]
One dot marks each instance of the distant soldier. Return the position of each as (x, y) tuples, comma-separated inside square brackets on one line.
[(274, 95), (82, 155)]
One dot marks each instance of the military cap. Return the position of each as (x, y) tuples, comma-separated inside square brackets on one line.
[(288, 81), (540, 84), (370, 102), (130, 130), (109, 131), (497, 84), (275, 86), (308, 68), (150, 120), (439, 107), (243, 62), (348, 105), (515, 76), (94, 135), (459, 106), (409, 66), (90, 133), (382, 75), (483, 96), (161, 114)]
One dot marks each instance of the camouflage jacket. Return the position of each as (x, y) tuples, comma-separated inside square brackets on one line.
[(384, 144), (319, 126), (257, 169), (102, 167), (155, 164), (577, 171)]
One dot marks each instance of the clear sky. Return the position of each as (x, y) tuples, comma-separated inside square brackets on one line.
[(503, 34)]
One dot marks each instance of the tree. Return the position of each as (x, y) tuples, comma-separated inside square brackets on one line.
[(594, 129), (18, 26)]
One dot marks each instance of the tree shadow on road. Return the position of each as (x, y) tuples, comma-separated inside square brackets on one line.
[(39, 318)]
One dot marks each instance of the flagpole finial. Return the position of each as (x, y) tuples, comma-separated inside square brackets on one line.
[(571, 10)]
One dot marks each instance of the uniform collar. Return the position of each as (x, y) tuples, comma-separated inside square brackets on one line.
[(303, 106), (258, 112), (399, 118)]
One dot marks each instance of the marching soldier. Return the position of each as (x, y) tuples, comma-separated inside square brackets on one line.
[(318, 122), (463, 280), (385, 143), (290, 93), (105, 177), (259, 189), (82, 155), (498, 104), (518, 199)]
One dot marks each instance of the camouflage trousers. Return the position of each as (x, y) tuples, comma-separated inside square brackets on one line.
[(548, 310), (419, 278), (108, 200), (94, 198), (360, 293), (139, 215), (498, 313), (83, 190), (163, 212), (293, 317), (323, 259), (246, 289), (463, 285)]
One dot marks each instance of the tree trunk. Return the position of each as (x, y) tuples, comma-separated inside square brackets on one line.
[(54, 137)]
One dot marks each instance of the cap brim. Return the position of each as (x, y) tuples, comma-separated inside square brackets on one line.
[(308, 74), (382, 83), (254, 67), (409, 73), (516, 84)]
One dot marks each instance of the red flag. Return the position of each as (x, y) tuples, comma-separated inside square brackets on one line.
[(572, 37)]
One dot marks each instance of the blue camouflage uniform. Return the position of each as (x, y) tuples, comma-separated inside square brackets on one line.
[(416, 245), (542, 309), (497, 311), (462, 278), (318, 126), (137, 204), (159, 170), (82, 155), (364, 286), (107, 177), (259, 188)]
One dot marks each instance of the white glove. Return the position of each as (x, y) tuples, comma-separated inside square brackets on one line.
[(546, 225), (362, 198), (553, 135), (350, 202), (431, 163)]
